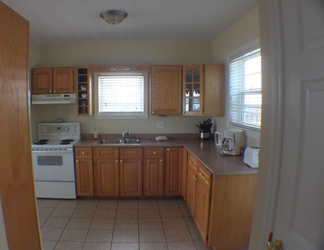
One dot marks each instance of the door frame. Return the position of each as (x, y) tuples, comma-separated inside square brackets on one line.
[(272, 121)]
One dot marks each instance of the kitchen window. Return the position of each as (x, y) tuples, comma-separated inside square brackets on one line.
[(245, 88), (121, 95)]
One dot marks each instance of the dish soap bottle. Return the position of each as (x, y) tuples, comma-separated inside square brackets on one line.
[(95, 133)]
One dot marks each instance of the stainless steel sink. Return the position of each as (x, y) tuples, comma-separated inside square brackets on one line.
[(120, 141)]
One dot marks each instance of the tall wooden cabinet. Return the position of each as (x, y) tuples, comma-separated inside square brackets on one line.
[(203, 90), (52, 80), (165, 90)]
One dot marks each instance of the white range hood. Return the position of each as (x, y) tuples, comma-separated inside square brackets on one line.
[(54, 99)]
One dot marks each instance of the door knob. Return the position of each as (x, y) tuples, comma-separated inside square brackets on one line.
[(274, 245)]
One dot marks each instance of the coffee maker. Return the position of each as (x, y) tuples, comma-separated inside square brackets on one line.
[(230, 141)]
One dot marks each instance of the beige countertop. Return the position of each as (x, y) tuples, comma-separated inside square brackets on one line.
[(205, 151)]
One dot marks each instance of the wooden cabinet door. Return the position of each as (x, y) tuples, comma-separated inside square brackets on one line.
[(63, 80), (107, 177), (202, 208), (184, 173), (191, 188), (214, 90), (165, 96), (153, 177), (130, 177), (173, 180), (193, 90), (42, 81), (84, 177)]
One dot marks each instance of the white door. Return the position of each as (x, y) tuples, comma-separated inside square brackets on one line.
[(290, 201)]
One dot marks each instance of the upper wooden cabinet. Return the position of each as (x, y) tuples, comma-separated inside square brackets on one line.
[(165, 90), (82, 78), (203, 90), (52, 81)]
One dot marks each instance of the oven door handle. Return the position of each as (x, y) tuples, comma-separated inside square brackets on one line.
[(53, 152)]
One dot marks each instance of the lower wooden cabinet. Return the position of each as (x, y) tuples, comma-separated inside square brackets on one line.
[(221, 205), (231, 213), (184, 173), (84, 171), (106, 175), (130, 172), (153, 172), (130, 177), (198, 194), (173, 178), (202, 201), (106, 171), (113, 172), (191, 182)]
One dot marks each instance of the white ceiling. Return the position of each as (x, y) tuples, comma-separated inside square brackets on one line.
[(71, 21)]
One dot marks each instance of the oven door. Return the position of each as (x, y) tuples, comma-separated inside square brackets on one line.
[(54, 166)]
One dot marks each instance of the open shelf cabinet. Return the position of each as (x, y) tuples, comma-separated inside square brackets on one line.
[(84, 91)]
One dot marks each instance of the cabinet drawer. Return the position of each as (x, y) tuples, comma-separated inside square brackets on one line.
[(153, 153), (192, 161), (106, 153), (130, 153), (83, 153), (204, 175)]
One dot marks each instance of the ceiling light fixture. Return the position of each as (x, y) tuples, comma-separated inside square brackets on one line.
[(113, 16)]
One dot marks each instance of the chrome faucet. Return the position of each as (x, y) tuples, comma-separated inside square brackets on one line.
[(125, 133)]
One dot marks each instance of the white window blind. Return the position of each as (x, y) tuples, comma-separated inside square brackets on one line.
[(245, 85), (121, 95)]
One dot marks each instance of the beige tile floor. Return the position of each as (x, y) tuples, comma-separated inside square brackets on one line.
[(135, 224)]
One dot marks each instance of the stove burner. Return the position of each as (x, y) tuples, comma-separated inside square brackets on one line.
[(67, 140), (41, 142), (64, 143)]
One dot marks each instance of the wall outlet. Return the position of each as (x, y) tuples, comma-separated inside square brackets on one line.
[(160, 125), (84, 125)]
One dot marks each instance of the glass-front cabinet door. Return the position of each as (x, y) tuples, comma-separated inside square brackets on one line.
[(193, 90)]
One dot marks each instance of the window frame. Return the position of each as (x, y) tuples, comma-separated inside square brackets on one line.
[(249, 47), (121, 115)]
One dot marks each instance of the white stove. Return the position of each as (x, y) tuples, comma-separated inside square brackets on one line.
[(53, 160)]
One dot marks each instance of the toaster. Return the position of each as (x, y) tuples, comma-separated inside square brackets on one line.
[(251, 156)]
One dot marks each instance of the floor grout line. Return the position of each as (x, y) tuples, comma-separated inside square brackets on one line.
[(162, 205)]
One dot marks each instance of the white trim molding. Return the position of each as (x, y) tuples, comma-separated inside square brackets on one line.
[(272, 120)]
